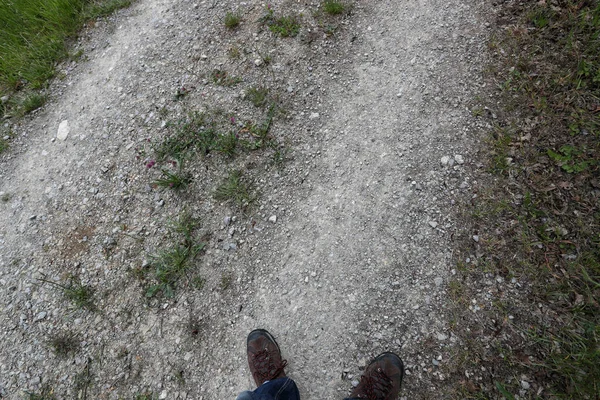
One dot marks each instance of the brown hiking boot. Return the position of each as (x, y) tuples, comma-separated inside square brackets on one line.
[(264, 357), (381, 380)]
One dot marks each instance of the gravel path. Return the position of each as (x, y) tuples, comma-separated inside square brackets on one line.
[(345, 253)]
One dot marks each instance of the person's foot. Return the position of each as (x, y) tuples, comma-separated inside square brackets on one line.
[(381, 380), (264, 357)]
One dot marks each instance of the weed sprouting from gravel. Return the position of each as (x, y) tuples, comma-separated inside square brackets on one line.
[(172, 263), (82, 296), (234, 52), (3, 145), (226, 280), (257, 96), (222, 78), (232, 20), (287, 26), (176, 180), (227, 144), (31, 102), (234, 189), (198, 282), (333, 7), (64, 343)]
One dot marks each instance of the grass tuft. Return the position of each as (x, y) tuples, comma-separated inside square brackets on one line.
[(257, 96), (234, 189), (171, 264), (287, 26), (232, 20), (3, 145), (222, 78), (177, 180), (333, 7)]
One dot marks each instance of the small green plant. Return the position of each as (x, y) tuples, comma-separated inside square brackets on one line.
[(260, 133), (198, 282), (173, 180), (287, 26), (333, 7), (227, 144), (196, 130), (234, 189), (3, 145), (223, 78), (172, 263), (32, 102), (234, 52), (64, 343), (226, 280), (82, 296), (570, 159), (257, 96), (232, 20)]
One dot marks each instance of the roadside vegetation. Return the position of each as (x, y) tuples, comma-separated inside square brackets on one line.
[(537, 221), (33, 38)]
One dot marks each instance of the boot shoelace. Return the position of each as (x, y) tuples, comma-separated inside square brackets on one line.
[(377, 385), (266, 368)]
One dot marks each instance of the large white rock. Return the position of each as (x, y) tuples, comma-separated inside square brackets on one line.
[(63, 130)]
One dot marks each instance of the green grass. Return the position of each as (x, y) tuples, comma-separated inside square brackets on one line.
[(286, 26), (227, 144), (197, 132), (34, 34), (176, 180), (173, 262), (31, 102), (3, 145), (333, 7), (226, 281), (82, 296), (222, 78), (232, 20), (539, 221), (257, 96), (234, 188)]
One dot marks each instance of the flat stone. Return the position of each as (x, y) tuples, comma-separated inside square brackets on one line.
[(63, 130), (273, 218)]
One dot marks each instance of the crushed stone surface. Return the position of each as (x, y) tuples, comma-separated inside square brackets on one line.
[(346, 251)]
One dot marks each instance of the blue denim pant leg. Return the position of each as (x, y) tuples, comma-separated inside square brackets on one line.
[(278, 389)]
